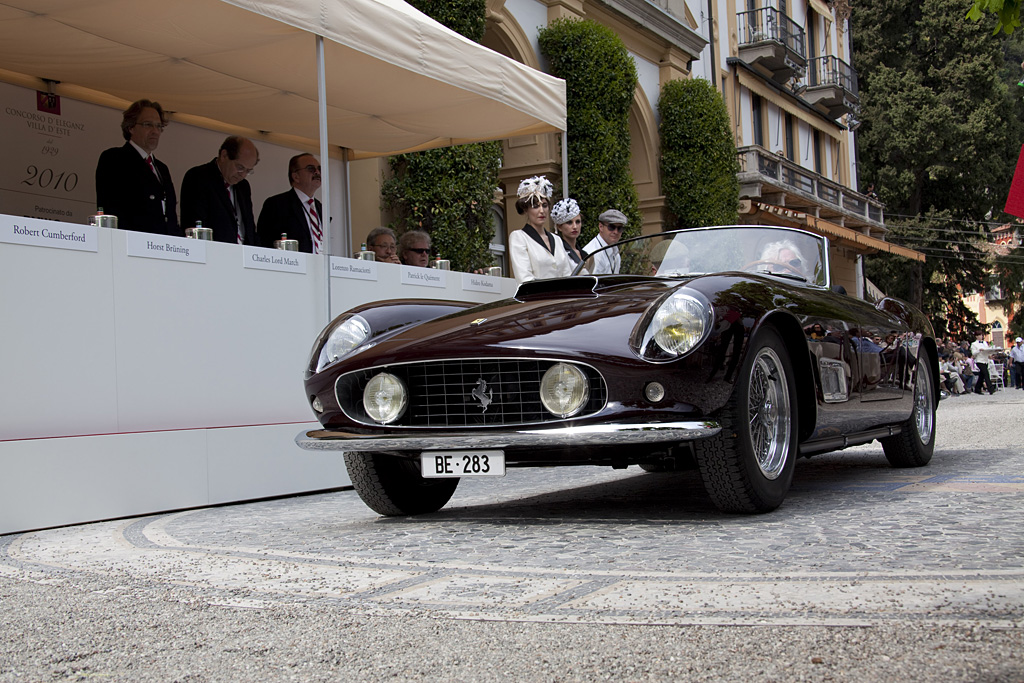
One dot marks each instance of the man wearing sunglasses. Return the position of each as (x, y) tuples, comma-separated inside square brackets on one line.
[(414, 248), (610, 226), (296, 212), (218, 194)]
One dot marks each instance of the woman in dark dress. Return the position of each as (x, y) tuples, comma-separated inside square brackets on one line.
[(565, 214)]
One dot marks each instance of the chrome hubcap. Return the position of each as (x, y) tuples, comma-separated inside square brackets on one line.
[(768, 408)]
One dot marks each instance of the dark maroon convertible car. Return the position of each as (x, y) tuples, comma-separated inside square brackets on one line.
[(723, 348)]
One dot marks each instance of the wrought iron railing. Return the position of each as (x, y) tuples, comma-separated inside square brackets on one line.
[(831, 70), (769, 24), (784, 173)]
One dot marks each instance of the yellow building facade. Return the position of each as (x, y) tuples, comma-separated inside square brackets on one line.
[(784, 71)]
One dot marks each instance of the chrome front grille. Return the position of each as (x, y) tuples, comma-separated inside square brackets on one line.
[(441, 393)]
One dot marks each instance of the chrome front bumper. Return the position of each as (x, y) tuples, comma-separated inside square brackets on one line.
[(592, 435)]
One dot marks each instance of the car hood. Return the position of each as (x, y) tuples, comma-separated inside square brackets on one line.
[(585, 316)]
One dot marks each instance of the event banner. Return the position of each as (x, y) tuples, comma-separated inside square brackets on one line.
[(50, 149)]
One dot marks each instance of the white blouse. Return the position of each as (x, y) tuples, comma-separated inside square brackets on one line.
[(532, 261)]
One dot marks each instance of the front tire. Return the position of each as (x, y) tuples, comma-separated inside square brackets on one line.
[(748, 466), (391, 485), (914, 445)]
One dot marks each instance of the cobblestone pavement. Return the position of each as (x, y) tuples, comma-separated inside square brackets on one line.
[(856, 543)]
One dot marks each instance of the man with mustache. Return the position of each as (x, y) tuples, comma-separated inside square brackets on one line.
[(296, 212)]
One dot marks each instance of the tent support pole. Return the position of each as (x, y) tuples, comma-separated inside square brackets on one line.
[(565, 164), (325, 165)]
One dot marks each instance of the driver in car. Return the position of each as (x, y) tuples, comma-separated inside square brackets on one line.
[(783, 257)]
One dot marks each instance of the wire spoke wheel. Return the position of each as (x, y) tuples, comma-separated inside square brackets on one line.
[(748, 466), (768, 406)]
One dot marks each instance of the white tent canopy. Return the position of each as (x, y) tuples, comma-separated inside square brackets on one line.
[(395, 80)]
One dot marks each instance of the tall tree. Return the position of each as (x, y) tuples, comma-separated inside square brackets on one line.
[(939, 140)]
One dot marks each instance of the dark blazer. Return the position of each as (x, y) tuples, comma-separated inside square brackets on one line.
[(284, 213), (204, 198), (127, 188)]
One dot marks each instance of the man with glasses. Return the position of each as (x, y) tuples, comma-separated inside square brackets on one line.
[(381, 241), (610, 225), (296, 212), (131, 183), (414, 248), (218, 194)]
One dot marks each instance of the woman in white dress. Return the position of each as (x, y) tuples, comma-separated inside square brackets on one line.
[(535, 252)]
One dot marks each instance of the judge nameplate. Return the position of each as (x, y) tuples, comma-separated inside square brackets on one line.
[(148, 245), (274, 259), (36, 232)]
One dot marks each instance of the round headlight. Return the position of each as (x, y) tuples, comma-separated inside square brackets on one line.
[(385, 398), (564, 390), (679, 324), (342, 340)]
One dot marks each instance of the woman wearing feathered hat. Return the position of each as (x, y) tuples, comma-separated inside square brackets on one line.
[(535, 253), (565, 214)]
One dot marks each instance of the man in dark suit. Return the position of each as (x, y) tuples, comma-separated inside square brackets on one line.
[(218, 194), (131, 183), (295, 212)]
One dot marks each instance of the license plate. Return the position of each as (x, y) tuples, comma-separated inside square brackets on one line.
[(437, 464)]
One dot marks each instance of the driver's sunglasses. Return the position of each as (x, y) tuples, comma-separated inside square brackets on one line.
[(617, 227), (795, 263)]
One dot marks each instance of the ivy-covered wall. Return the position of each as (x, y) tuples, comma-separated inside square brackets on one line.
[(698, 156), (600, 79)]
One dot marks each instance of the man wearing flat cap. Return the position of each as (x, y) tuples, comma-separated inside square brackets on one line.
[(610, 225)]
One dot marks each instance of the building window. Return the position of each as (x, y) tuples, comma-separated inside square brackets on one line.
[(756, 120), (790, 140), (817, 153), (812, 45)]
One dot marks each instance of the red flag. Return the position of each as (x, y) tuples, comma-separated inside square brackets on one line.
[(1015, 202)]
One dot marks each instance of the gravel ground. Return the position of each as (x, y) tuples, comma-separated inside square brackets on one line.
[(68, 625), (85, 629)]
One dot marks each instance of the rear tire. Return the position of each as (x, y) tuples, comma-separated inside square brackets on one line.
[(391, 485), (748, 466), (914, 445)]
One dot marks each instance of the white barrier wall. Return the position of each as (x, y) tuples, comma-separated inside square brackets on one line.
[(136, 377)]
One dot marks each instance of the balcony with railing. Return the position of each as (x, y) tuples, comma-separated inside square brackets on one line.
[(771, 41), (831, 86), (776, 180)]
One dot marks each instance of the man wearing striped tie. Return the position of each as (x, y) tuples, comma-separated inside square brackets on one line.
[(295, 213), (218, 194)]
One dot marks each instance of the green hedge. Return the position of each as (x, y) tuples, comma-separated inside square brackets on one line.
[(698, 156), (600, 79), (449, 191)]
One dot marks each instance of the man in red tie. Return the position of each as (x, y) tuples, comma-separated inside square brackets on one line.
[(218, 194), (295, 213), (131, 183)]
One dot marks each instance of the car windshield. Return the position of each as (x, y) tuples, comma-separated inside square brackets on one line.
[(783, 252)]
